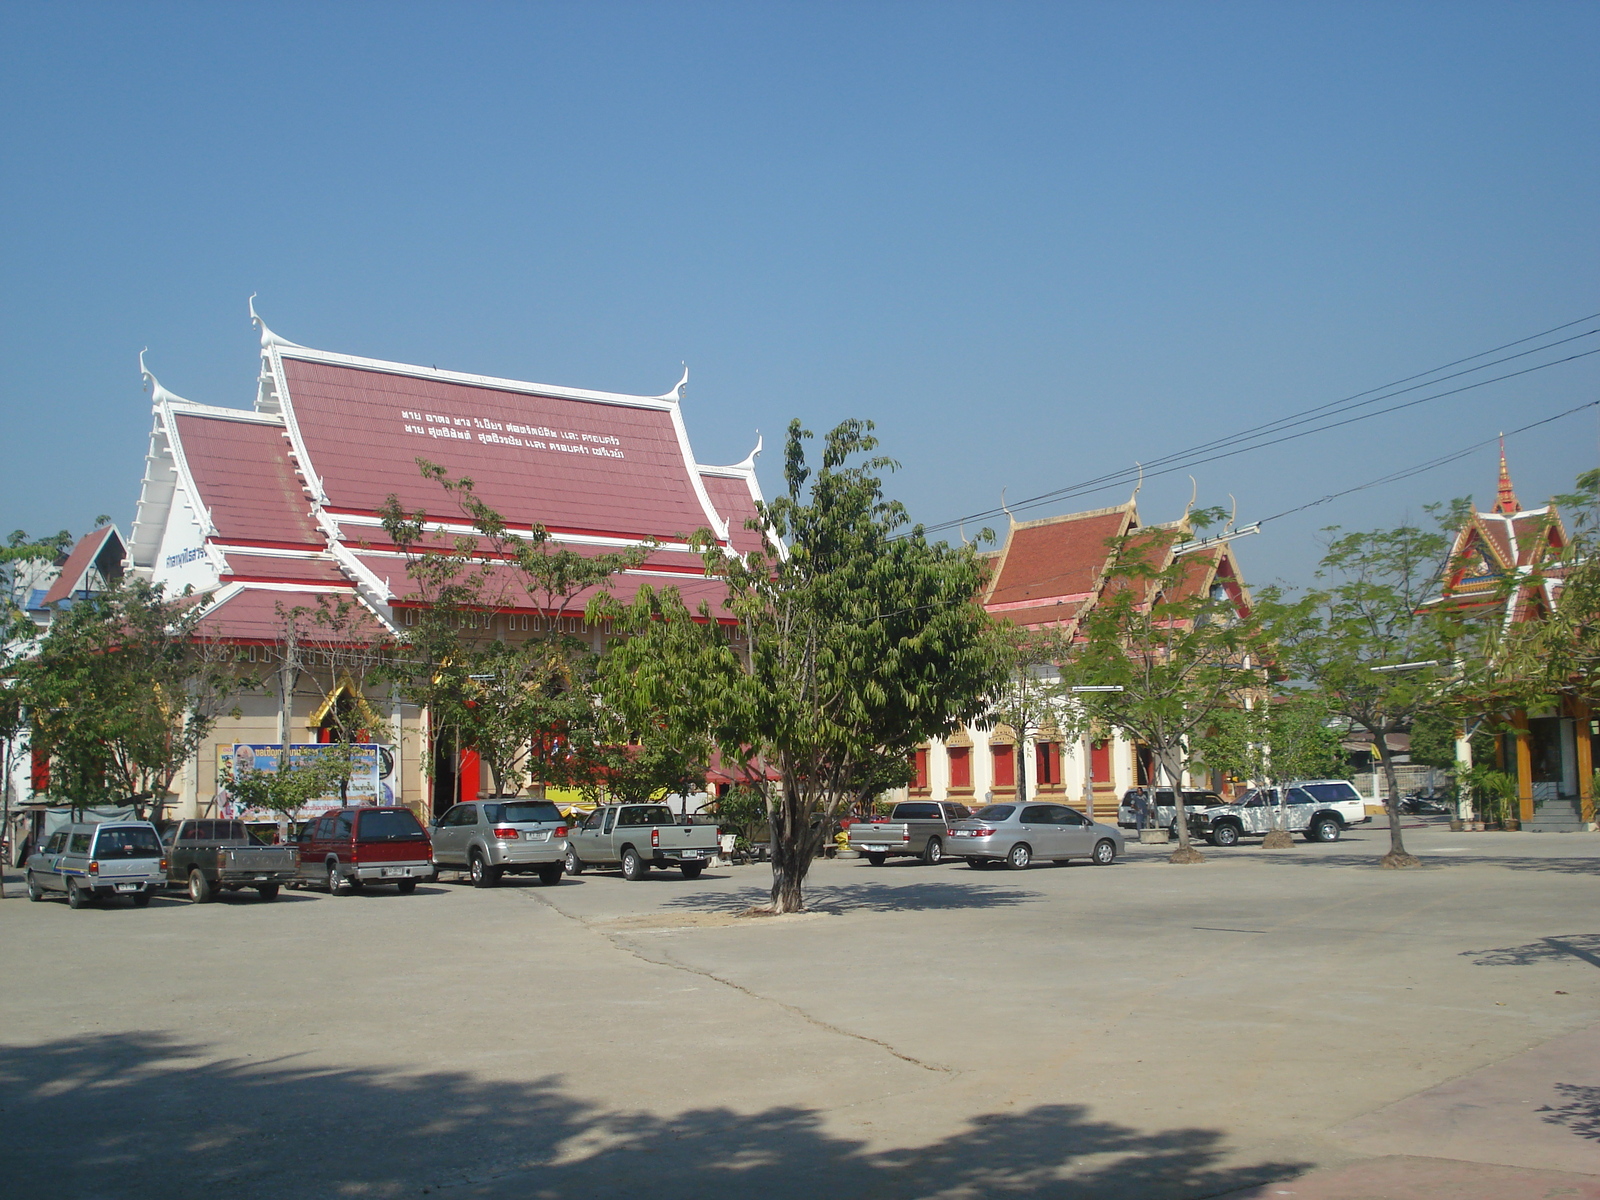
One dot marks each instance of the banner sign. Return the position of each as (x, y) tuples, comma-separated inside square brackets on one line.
[(374, 780)]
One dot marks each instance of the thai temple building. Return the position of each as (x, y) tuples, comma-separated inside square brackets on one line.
[(1505, 567), (1049, 574), (274, 511)]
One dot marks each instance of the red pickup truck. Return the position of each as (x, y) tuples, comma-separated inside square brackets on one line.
[(348, 848)]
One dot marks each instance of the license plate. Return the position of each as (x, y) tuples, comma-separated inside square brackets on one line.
[(691, 854), (129, 887), (874, 847), (391, 872)]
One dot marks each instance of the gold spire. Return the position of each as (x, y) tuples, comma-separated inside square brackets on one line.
[(1506, 502)]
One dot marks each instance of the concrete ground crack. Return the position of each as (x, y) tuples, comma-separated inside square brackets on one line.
[(673, 964)]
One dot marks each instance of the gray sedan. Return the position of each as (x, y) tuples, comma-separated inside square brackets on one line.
[(1016, 834)]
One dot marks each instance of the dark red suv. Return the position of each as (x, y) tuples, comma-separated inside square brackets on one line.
[(349, 848)]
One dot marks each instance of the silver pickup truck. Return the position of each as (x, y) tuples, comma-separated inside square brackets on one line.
[(208, 857), (638, 837), (98, 862), (915, 829)]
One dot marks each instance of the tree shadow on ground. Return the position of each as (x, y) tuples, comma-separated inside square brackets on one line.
[(135, 1115), (1557, 866), (1581, 1112), (868, 897), (1582, 946)]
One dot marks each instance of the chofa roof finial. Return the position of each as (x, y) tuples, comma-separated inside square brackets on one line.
[(152, 384), (268, 338), (682, 388)]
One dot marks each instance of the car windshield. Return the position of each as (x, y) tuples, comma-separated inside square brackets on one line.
[(996, 812), (523, 811), (1330, 793), (127, 843), (390, 825)]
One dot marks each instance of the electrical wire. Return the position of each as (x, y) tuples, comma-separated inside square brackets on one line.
[(1188, 457), (1431, 464)]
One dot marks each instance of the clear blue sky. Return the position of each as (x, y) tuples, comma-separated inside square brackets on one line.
[(1033, 242)]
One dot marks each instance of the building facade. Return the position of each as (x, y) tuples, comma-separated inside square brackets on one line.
[(1048, 575), (274, 514)]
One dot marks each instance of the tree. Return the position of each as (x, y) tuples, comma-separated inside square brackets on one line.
[(524, 702), (120, 694), (1272, 740), (21, 552), (1176, 657), (852, 639), (294, 783), (1366, 644), (1032, 696)]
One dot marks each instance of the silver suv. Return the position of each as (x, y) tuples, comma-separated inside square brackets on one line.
[(491, 838), (99, 861)]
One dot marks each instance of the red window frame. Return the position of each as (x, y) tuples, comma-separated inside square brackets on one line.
[(1005, 765), (960, 766)]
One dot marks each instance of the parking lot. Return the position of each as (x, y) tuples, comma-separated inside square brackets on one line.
[(1140, 1030)]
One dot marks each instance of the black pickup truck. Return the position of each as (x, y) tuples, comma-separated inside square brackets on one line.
[(212, 856)]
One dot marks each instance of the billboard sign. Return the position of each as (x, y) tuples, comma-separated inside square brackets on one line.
[(374, 780)]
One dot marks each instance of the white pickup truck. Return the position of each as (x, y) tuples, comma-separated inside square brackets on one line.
[(1318, 809), (638, 837)]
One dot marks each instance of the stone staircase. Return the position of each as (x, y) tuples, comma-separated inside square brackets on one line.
[(1556, 816)]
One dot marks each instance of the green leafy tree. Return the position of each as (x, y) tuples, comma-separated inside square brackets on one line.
[(121, 694), (1178, 657), (1035, 694), (1346, 638), (523, 701), (294, 783), (22, 552), (1272, 740), (853, 639)]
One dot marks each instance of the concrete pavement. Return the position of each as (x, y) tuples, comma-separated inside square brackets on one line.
[(1141, 1031)]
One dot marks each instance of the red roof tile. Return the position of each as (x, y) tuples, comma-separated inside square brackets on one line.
[(256, 615), (566, 463), (77, 565), (735, 505), (246, 479), (275, 568), (1057, 559)]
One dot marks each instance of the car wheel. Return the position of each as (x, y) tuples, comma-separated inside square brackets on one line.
[(200, 887), (34, 892), (483, 874), (877, 860), (334, 882), (1325, 830), (933, 852), (142, 900), (573, 864), (1225, 835), (75, 896), (692, 870), (633, 867), (407, 886), (268, 891), (1020, 857), (1105, 852), (551, 873)]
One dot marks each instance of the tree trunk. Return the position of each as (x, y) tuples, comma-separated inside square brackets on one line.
[(1172, 767), (1397, 856), (1279, 838), (1019, 750), (792, 848)]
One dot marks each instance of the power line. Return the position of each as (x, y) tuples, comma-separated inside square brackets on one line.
[(1357, 400), (1185, 459), (1431, 464)]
